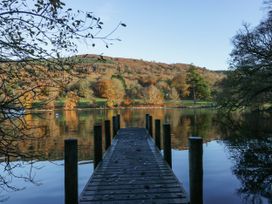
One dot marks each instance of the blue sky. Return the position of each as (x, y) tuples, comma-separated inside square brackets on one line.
[(173, 31)]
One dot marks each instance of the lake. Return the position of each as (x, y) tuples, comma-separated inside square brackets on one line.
[(237, 153)]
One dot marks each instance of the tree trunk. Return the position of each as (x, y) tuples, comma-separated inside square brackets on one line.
[(194, 95)]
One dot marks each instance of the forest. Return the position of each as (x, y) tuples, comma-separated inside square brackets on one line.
[(98, 81)]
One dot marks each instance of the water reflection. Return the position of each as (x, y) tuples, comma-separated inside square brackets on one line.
[(248, 141)]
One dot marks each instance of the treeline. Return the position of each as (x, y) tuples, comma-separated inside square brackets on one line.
[(115, 82)]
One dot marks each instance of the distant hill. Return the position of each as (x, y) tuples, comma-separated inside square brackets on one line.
[(107, 81), (134, 68)]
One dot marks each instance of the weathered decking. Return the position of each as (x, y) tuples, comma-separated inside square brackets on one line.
[(133, 171)]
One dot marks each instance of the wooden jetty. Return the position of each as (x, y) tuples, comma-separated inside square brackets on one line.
[(133, 171)]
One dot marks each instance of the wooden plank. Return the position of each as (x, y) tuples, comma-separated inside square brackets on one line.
[(133, 171)]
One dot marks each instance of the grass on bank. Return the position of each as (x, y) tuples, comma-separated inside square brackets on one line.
[(102, 102)]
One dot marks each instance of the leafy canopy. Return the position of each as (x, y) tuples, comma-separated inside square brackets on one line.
[(249, 83)]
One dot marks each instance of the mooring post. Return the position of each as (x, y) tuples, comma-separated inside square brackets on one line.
[(107, 134), (150, 125), (114, 126), (147, 122), (196, 169), (158, 133), (118, 122), (70, 171), (97, 144), (167, 144)]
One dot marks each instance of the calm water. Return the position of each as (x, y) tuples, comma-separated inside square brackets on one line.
[(237, 154)]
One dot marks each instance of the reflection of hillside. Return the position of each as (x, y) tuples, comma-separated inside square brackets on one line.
[(181, 123), (58, 125), (55, 127)]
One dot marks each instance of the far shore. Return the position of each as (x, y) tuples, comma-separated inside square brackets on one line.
[(165, 106)]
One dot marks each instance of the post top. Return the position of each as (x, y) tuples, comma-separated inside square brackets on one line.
[(195, 138), (70, 140)]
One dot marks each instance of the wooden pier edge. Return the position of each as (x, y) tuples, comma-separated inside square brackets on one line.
[(159, 159), (154, 149), (108, 153)]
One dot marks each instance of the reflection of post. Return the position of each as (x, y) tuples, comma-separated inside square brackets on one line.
[(147, 121), (167, 144), (107, 134), (97, 144), (114, 127), (196, 170), (150, 125), (70, 168), (195, 132), (158, 133), (118, 122)]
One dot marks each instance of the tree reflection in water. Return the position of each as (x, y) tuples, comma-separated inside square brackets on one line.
[(249, 141), (17, 151)]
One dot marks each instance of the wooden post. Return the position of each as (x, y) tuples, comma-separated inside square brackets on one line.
[(97, 144), (107, 134), (150, 126), (118, 122), (71, 171), (167, 153), (196, 169), (158, 133), (114, 126), (147, 122)]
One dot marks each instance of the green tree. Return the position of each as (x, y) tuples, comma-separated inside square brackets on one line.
[(249, 82), (198, 87), (83, 88)]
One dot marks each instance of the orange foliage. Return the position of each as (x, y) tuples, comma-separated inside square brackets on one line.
[(71, 101), (127, 102), (179, 82), (153, 95), (112, 90), (105, 89)]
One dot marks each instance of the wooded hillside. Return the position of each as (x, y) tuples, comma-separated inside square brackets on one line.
[(120, 81)]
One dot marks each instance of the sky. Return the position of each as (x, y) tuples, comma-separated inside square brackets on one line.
[(172, 31)]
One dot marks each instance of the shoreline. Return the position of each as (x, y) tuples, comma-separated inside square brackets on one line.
[(123, 108)]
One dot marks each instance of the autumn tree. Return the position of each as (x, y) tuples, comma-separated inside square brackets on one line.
[(173, 94), (180, 84), (112, 90), (119, 91), (153, 96), (29, 54), (198, 87), (165, 88), (147, 80), (36, 38), (71, 100)]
